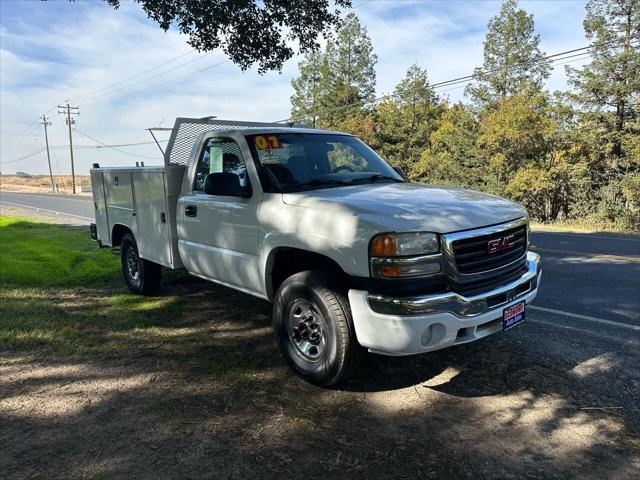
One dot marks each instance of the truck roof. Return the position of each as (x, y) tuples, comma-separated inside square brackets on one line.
[(187, 131), (260, 130)]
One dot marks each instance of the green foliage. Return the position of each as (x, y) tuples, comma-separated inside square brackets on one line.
[(608, 88), (620, 201), (453, 156), (404, 125), (414, 90), (338, 82), (351, 63), (27, 247), (249, 32), (545, 191), (511, 56), (565, 156), (309, 87), (517, 133)]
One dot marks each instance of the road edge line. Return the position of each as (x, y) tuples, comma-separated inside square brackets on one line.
[(584, 317), (46, 210)]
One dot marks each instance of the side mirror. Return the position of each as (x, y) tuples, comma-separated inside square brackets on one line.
[(225, 184), (398, 169)]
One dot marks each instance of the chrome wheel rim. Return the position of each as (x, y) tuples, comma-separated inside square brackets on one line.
[(307, 329), (132, 265)]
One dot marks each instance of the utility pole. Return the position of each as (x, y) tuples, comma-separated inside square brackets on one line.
[(45, 122), (69, 110)]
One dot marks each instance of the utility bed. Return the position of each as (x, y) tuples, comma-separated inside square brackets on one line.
[(143, 199)]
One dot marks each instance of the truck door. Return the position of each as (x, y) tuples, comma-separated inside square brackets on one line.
[(218, 235)]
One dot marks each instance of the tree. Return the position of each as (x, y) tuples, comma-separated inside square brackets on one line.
[(337, 82), (414, 88), (511, 56), (453, 156), (414, 91), (518, 132), (531, 156), (609, 86), (249, 32), (309, 88), (351, 69), (405, 124)]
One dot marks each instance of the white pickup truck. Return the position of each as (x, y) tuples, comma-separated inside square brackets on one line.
[(352, 255)]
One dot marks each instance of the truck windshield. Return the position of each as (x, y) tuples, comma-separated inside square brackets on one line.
[(309, 161)]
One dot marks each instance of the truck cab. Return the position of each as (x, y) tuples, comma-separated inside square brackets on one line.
[(353, 256)]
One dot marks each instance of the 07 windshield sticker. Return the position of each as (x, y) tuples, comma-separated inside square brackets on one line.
[(267, 142)]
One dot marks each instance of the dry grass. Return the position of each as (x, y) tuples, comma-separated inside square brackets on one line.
[(580, 226), (41, 183)]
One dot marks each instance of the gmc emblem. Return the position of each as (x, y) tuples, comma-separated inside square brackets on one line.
[(499, 244)]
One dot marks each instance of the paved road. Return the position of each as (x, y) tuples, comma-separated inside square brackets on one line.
[(589, 275), (596, 275), (72, 205)]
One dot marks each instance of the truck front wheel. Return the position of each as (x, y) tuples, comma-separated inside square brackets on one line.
[(314, 329), (140, 275)]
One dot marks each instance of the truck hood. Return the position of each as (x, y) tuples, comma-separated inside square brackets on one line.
[(411, 206)]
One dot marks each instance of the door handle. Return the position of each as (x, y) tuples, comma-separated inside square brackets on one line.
[(191, 210)]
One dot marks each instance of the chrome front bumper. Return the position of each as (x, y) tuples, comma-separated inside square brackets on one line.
[(456, 304)]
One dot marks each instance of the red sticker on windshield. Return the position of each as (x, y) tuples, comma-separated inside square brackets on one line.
[(266, 142)]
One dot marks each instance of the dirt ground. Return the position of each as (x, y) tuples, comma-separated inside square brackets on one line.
[(212, 399)]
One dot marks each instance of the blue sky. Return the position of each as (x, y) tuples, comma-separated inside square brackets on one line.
[(57, 50)]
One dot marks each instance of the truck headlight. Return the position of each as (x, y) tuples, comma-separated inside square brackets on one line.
[(401, 255)]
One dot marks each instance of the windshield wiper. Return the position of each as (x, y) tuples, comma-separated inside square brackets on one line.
[(318, 182), (323, 181), (378, 176)]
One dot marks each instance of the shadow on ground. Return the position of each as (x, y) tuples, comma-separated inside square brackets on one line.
[(191, 386), (98, 383)]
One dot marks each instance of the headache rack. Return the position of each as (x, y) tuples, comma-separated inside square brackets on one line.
[(186, 131)]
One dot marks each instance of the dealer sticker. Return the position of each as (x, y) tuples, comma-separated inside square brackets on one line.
[(267, 142), (513, 316)]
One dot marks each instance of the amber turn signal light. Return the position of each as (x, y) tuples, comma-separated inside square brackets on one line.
[(384, 246), (390, 271)]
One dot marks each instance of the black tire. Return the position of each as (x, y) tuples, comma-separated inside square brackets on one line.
[(146, 279), (339, 353)]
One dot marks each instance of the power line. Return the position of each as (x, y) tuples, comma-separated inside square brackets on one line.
[(32, 124), (159, 85), (462, 84), (53, 148), (22, 158), (115, 145), (144, 80), (135, 76), (113, 148), (26, 129)]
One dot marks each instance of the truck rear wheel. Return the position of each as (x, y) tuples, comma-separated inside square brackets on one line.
[(314, 329), (140, 275)]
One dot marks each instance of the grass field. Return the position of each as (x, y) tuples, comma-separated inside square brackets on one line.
[(61, 293), (580, 226), (96, 382)]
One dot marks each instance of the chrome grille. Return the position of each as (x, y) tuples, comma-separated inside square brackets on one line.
[(471, 255)]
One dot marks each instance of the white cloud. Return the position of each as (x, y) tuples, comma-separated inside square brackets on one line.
[(44, 63)]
